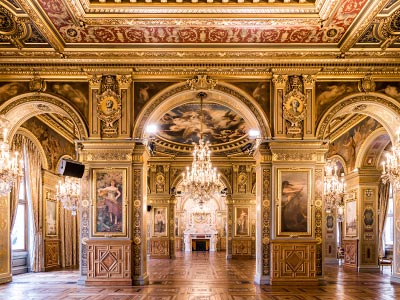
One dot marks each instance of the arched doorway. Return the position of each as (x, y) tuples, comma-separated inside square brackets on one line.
[(43, 127), (359, 129), (229, 114)]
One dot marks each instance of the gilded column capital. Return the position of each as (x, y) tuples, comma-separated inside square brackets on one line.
[(280, 81), (94, 81), (124, 81), (308, 81)]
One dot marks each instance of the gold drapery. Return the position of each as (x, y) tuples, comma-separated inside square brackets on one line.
[(33, 184), (14, 195), (383, 199)]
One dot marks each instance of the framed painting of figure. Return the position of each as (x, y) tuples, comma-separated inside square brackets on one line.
[(294, 202), (242, 221), (109, 202), (350, 218), (51, 220), (160, 221)]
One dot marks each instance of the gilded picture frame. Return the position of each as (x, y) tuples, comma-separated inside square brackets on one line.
[(51, 217), (160, 221), (350, 205), (294, 214), (242, 224), (109, 202)]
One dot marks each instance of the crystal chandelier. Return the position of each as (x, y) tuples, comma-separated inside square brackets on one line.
[(10, 167), (391, 168), (201, 181), (68, 193), (333, 190)]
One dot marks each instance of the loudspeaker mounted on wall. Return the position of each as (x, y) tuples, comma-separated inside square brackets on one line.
[(71, 168)]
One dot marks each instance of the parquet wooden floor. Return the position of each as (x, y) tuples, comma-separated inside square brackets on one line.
[(203, 276)]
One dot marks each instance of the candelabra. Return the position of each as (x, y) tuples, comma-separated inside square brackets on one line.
[(333, 190), (68, 193), (10, 167)]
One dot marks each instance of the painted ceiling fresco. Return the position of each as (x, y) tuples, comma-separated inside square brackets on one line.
[(84, 24), (220, 124), (207, 31)]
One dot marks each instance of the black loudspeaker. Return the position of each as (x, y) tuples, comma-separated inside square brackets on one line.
[(71, 168), (149, 208)]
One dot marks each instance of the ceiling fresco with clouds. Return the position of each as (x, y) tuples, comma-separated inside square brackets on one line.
[(221, 125)]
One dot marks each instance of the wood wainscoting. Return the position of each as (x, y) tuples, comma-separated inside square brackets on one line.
[(51, 254), (294, 262), (109, 262), (159, 248)]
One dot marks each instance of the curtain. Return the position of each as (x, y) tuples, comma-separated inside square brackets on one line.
[(33, 184), (14, 195), (383, 198)]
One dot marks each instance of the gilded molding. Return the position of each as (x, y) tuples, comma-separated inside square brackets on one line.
[(15, 29), (109, 156), (365, 98), (388, 30), (41, 97), (39, 21), (294, 156), (366, 19), (266, 223)]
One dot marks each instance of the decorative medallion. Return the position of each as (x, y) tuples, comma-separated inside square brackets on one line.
[(109, 111), (294, 107)]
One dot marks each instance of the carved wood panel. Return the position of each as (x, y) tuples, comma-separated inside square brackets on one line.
[(241, 247), (159, 248), (294, 261), (51, 254), (109, 262)]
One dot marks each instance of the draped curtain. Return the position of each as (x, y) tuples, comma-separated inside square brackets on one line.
[(33, 184), (383, 199), (14, 195)]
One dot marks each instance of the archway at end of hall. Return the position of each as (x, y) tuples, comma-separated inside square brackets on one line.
[(231, 217)]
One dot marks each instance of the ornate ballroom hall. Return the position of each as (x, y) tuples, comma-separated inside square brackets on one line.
[(251, 145)]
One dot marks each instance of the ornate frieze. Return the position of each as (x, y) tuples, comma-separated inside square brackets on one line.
[(293, 156), (109, 156)]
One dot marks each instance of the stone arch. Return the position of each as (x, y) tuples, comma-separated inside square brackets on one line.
[(380, 133), (224, 94), (382, 108), (22, 107)]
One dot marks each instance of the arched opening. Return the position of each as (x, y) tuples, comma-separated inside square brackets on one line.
[(227, 223), (360, 129), (44, 235)]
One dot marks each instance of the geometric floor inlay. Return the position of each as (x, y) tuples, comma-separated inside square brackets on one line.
[(209, 276)]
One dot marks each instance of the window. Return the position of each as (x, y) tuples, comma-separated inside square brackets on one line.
[(19, 231), (388, 229)]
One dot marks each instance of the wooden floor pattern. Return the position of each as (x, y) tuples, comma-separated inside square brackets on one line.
[(203, 276)]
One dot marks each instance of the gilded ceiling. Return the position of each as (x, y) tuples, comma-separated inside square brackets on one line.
[(128, 29)]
